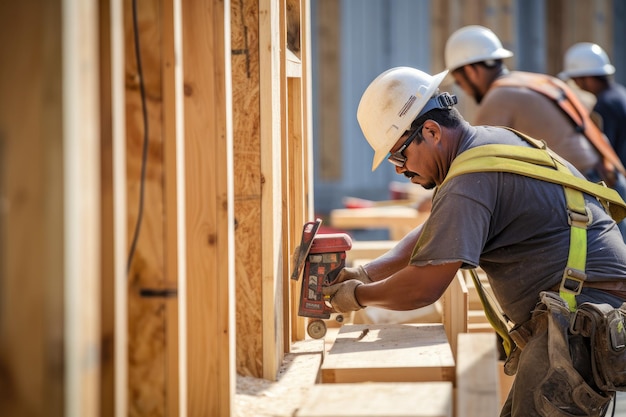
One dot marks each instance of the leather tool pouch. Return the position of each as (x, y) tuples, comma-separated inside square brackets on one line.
[(604, 325), (565, 389)]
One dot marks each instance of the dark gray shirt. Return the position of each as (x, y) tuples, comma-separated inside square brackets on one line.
[(516, 229)]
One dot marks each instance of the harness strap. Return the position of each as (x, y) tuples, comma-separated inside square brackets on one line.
[(493, 314), (540, 163), (563, 97), (535, 164)]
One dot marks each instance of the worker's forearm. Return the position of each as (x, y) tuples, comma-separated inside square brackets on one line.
[(395, 259), (412, 287)]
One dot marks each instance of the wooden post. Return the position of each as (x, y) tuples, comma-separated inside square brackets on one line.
[(207, 288), (49, 209)]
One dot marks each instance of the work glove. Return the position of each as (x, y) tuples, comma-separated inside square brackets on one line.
[(342, 296), (357, 273)]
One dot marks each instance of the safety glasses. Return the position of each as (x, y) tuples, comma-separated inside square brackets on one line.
[(397, 158)]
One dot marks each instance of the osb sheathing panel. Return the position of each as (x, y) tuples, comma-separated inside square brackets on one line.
[(247, 184), (146, 316)]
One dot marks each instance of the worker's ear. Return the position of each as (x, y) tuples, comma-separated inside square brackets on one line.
[(471, 72), (431, 129)]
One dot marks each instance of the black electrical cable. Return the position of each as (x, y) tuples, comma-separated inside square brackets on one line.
[(144, 155)]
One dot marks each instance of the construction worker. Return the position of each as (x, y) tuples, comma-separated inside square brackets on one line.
[(588, 65), (530, 103), (515, 227)]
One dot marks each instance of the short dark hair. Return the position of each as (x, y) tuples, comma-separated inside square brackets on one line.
[(445, 117)]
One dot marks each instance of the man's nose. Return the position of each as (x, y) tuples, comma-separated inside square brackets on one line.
[(400, 170)]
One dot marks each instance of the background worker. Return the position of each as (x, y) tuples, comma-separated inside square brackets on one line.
[(512, 226), (474, 56), (588, 65)]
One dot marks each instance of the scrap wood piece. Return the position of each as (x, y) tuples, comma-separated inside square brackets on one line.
[(413, 352), (379, 399), (478, 390)]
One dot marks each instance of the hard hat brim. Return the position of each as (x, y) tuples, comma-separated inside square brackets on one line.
[(381, 154), (607, 69), (501, 53)]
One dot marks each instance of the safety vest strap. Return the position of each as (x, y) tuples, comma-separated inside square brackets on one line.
[(563, 96), (534, 163), (538, 162)]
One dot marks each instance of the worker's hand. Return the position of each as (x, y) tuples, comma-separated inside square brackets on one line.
[(342, 296), (357, 273)]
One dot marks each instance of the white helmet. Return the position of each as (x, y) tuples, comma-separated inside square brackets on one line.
[(586, 59), (472, 44), (392, 102)]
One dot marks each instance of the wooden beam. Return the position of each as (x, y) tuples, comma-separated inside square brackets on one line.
[(32, 211), (455, 310), (389, 353), (271, 172), (207, 289), (173, 193), (81, 167), (114, 326)]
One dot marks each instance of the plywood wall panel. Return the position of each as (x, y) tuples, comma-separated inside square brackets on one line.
[(248, 183), (146, 313)]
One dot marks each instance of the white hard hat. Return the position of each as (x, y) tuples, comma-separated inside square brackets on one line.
[(472, 44), (586, 59), (392, 102)]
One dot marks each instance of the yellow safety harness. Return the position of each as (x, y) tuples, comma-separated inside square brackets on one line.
[(541, 163)]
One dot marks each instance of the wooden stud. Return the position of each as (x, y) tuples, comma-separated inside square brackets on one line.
[(207, 287)]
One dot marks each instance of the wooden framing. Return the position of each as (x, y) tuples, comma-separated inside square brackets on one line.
[(273, 201), (114, 328), (49, 215), (228, 88), (208, 304)]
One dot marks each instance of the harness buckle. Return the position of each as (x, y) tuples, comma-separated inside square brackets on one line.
[(579, 220), (572, 281)]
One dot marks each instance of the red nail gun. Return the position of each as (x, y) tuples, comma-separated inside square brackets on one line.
[(322, 257)]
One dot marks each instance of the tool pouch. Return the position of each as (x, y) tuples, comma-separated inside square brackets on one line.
[(564, 391), (604, 326)]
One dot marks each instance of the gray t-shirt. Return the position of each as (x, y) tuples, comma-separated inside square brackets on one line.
[(516, 229)]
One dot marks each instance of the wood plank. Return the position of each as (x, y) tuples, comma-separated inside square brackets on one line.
[(32, 234), (297, 196), (389, 353), (207, 290), (399, 220), (271, 130), (379, 399), (81, 221), (114, 326), (368, 249), (455, 310), (173, 174), (478, 391)]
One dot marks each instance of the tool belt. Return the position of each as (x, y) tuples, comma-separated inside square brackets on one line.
[(604, 325), (597, 340), (566, 388)]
